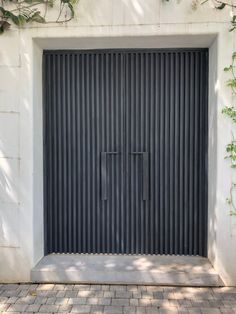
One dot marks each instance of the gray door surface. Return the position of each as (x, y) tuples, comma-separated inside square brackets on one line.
[(125, 151)]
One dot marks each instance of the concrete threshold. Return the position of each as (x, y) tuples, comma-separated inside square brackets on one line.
[(126, 269)]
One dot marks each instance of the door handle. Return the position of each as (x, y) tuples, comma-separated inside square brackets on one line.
[(104, 191), (145, 173)]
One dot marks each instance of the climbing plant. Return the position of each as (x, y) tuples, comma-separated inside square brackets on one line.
[(21, 12), (229, 111)]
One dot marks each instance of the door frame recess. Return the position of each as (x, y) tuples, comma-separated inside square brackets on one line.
[(154, 42)]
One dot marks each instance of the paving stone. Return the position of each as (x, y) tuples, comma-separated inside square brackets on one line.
[(69, 287), (169, 295), (123, 294), (9, 286), (200, 303), (140, 310), (109, 294), (22, 293), (92, 301), (49, 308), (81, 308), (160, 303), (98, 294), (145, 302), (50, 301), (61, 294), (173, 303), (71, 294), (95, 287), (11, 300), (226, 311), (40, 300), (194, 310), (158, 295), (51, 294), (132, 288), (168, 310), (17, 307), (118, 288), (210, 311), (61, 301), (45, 287), (85, 293), (113, 309), (129, 310), (65, 308), (104, 301), (97, 309), (4, 299), (215, 303), (59, 287), (77, 301), (24, 286), (183, 311), (26, 300), (42, 293), (81, 287), (137, 295), (10, 293), (4, 307), (133, 302), (227, 303), (147, 294), (184, 303), (152, 310), (155, 288), (121, 302), (33, 308)]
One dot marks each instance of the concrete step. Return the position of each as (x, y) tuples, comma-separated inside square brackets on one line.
[(117, 269)]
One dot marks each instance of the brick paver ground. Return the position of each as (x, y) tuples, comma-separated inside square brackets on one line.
[(114, 299)]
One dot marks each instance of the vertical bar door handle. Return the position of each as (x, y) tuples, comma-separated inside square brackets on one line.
[(104, 185), (145, 173)]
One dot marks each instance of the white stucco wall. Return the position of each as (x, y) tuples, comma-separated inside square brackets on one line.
[(99, 24)]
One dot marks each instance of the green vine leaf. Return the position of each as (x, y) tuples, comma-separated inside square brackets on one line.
[(221, 6), (25, 11), (230, 112), (227, 69), (232, 83)]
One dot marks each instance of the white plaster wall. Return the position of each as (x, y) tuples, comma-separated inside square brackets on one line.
[(100, 24)]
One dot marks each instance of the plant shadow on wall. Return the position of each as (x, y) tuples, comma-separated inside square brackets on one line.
[(229, 111), (21, 12)]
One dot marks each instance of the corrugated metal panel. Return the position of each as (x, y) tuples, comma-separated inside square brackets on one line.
[(126, 151)]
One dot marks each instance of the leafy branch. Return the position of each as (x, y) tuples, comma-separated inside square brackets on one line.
[(230, 111), (220, 5), (21, 12)]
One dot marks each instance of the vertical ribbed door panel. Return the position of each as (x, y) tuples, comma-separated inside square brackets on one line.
[(84, 116), (167, 121), (125, 151)]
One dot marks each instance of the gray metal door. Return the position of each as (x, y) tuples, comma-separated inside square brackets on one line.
[(125, 151)]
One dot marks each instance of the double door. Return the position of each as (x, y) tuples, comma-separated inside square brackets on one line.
[(125, 151)]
